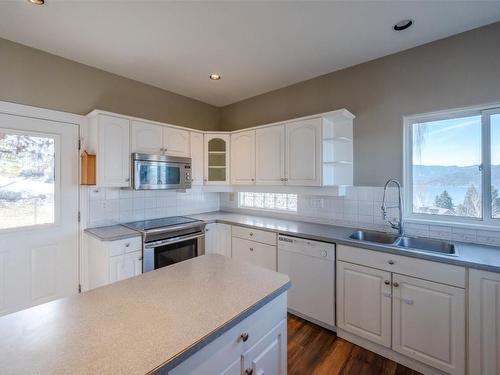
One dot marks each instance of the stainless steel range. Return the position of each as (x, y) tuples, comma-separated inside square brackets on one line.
[(169, 240)]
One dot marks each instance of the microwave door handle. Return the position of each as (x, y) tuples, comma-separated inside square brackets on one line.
[(173, 240)]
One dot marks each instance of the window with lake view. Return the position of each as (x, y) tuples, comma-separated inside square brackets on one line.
[(454, 167)]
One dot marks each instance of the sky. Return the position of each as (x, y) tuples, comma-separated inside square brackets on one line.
[(456, 142)]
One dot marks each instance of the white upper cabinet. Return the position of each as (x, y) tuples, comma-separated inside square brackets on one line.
[(243, 158), (146, 138), (197, 158), (270, 155), (303, 153), (216, 159), (175, 142), (110, 140)]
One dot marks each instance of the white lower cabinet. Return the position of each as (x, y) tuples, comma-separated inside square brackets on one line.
[(364, 302), (218, 239), (484, 323), (111, 261), (428, 317), (256, 345)]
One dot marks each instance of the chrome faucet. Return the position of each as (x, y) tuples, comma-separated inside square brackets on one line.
[(399, 224)]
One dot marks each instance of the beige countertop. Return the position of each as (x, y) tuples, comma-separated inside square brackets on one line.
[(137, 325)]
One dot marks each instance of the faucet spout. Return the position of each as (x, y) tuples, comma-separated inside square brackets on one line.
[(399, 224)]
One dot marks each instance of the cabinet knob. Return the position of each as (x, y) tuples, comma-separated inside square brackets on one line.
[(249, 371), (127, 245), (395, 284), (286, 179), (251, 233), (324, 253), (391, 262), (140, 258), (251, 249), (127, 179), (282, 179), (387, 282), (244, 337)]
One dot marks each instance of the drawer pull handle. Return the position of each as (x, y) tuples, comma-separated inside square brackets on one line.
[(251, 249), (387, 282), (244, 337), (395, 284), (391, 262), (249, 371), (127, 245), (251, 233)]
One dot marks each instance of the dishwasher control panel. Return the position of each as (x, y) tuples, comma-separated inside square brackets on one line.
[(307, 247)]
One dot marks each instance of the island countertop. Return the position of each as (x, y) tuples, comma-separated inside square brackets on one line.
[(140, 325)]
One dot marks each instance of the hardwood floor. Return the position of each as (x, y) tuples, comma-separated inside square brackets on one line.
[(313, 350)]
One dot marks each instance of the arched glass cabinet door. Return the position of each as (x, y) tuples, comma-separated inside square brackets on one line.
[(217, 159)]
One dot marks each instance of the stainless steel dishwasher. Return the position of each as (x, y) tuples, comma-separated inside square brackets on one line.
[(311, 268)]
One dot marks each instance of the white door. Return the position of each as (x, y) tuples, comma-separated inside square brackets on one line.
[(364, 302), (197, 152), (429, 323), (303, 153), (270, 155), (113, 157), (175, 142), (484, 322), (146, 138), (254, 252), (243, 158), (268, 356), (38, 211)]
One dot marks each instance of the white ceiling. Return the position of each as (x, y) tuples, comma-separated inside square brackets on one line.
[(256, 46)]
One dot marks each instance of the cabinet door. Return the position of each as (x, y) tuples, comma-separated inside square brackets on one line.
[(133, 264), (116, 268), (268, 356), (303, 153), (243, 158), (223, 239), (270, 155), (113, 156), (216, 159), (484, 322), (254, 252), (211, 238), (364, 302), (146, 137), (197, 152), (429, 323), (175, 142)]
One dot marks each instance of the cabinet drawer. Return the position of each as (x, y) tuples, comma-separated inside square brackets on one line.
[(254, 235), (254, 252), (127, 245), (424, 269)]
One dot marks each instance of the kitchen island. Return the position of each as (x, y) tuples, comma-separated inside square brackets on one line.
[(205, 315)]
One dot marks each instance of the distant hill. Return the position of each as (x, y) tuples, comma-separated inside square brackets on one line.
[(436, 175)]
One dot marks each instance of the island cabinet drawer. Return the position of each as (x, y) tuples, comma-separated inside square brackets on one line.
[(127, 245), (254, 252), (254, 235), (225, 355), (424, 269)]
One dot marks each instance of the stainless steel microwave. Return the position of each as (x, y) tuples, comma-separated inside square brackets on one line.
[(155, 172)]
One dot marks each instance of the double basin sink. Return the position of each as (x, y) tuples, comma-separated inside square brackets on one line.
[(405, 242)]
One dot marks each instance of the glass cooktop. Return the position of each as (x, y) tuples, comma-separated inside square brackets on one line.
[(144, 225)]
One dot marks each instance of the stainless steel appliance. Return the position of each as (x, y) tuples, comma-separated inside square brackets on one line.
[(153, 172), (169, 240)]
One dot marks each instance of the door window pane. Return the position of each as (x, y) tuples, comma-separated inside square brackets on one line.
[(27, 180), (495, 166), (446, 156)]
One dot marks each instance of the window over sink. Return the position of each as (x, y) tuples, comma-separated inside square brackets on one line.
[(268, 201), (452, 166)]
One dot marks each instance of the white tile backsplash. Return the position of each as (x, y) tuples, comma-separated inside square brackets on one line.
[(108, 206), (361, 208)]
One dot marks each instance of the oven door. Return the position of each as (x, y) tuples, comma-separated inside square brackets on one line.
[(151, 175), (174, 250)]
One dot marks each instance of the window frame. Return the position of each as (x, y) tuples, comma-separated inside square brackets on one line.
[(273, 210), (57, 180), (486, 221)]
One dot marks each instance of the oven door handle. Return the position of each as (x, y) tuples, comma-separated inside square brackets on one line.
[(172, 240)]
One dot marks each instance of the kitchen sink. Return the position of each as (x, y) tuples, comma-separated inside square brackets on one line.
[(405, 242), (378, 237), (426, 244)]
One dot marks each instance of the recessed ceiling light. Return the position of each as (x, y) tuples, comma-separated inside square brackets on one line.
[(403, 25), (37, 2), (214, 76)]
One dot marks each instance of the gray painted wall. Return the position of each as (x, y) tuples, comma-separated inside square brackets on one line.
[(459, 71), (33, 77)]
